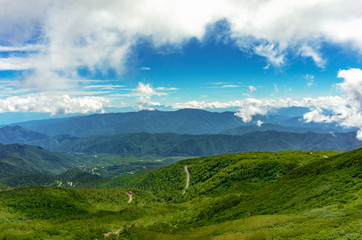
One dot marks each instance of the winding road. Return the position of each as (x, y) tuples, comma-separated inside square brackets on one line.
[(187, 179), (130, 198)]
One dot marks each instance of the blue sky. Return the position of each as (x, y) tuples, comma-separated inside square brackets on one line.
[(217, 70), (223, 72), (255, 56)]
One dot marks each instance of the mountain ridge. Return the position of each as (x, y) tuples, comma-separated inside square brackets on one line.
[(33, 159), (183, 121), (171, 144)]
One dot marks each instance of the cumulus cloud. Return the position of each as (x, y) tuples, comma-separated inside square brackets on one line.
[(53, 104), (250, 107), (347, 111), (352, 84), (144, 92), (100, 35), (259, 123)]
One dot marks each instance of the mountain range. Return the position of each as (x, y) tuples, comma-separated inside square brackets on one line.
[(171, 144), (185, 121), (186, 132)]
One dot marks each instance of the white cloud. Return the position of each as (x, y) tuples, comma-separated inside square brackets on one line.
[(259, 123), (53, 103), (352, 84), (316, 115), (347, 111), (274, 55), (251, 90), (223, 85), (144, 92), (251, 106), (220, 83), (167, 89), (307, 51), (310, 79), (145, 68), (15, 63), (105, 86), (24, 48), (101, 34), (229, 86)]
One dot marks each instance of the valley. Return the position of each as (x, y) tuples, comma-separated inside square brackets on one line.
[(247, 182)]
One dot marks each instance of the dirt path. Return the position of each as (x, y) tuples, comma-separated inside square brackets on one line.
[(187, 179), (130, 198), (115, 232)]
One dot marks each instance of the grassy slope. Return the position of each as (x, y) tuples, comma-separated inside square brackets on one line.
[(284, 195), (80, 179), (240, 173), (39, 158), (29, 179), (12, 164)]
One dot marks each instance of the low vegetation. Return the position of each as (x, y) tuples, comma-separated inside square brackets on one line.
[(254, 195)]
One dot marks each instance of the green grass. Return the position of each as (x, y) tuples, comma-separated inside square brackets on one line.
[(256, 195), (223, 174)]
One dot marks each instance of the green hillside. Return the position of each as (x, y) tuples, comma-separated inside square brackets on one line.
[(18, 159), (18, 134), (29, 179), (219, 175), (3, 187), (12, 164), (79, 179), (254, 195), (170, 144)]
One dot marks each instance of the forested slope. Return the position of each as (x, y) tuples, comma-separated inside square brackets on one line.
[(254, 195)]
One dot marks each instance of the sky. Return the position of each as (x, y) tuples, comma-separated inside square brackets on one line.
[(74, 56)]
